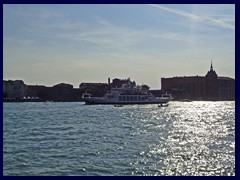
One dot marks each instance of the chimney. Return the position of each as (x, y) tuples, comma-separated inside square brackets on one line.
[(108, 81)]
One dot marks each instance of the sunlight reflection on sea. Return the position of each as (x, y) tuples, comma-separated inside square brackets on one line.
[(185, 138)]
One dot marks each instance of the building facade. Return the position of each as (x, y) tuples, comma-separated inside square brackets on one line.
[(14, 89), (93, 86), (61, 92), (208, 87), (226, 88)]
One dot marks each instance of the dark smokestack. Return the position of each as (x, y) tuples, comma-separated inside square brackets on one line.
[(108, 81)]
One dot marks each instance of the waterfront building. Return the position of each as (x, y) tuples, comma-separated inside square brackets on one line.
[(93, 86), (226, 88), (117, 83), (208, 87), (61, 92), (33, 90), (14, 89)]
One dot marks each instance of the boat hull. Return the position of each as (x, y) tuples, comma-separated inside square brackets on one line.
[(92, 101)]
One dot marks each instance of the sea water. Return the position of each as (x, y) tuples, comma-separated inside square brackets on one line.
[(73, 139)]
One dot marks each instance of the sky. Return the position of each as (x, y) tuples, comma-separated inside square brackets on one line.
[(75, 43)]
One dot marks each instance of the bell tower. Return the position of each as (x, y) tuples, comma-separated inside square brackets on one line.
[(211, 84)]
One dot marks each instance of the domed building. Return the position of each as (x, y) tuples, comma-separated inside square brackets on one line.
[(209, 87)]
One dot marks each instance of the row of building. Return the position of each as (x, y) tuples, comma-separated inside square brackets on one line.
[(208, 87), (17, 90)]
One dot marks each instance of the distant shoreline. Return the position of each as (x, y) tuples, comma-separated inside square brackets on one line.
[(23, 101)]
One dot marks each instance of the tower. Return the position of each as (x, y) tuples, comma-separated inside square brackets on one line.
[(211, 68), (211, 84)]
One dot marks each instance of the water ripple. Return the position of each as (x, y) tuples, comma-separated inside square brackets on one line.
[(192, 138)]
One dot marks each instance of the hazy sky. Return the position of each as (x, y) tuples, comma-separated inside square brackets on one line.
[(49, 44)]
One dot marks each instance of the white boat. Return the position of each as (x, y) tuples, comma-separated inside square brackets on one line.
[(161, 105), (185, 100), (118, 105), (127, 94)]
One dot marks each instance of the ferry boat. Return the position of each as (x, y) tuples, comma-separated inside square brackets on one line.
[(127, 94)]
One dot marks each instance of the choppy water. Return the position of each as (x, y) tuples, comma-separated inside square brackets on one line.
[(191, 138)]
